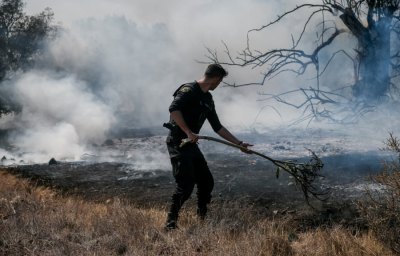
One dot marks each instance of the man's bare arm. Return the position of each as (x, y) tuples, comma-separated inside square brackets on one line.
[(178, 118), (224, 133)]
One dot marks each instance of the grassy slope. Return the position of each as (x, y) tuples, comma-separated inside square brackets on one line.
[(35, 221)]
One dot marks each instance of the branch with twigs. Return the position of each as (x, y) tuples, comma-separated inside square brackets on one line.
[(304, 174), (321, 104)]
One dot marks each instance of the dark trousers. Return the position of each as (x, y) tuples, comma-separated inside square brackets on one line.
[(189, 168)]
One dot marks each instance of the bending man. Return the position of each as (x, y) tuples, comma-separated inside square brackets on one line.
[(192, 105)]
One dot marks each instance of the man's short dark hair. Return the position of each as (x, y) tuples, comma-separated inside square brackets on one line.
[(215, 70)]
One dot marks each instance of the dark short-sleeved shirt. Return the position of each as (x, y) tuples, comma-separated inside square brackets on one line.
[(196, 106)]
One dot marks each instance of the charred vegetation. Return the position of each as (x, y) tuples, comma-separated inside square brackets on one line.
[(375, 25)]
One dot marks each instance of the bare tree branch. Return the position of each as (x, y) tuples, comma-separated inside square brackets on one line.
[(350, 103)]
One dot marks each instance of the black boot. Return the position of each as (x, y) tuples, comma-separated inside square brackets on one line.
[(202, 212), (170, 224)]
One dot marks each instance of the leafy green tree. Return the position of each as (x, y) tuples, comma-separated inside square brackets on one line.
[(21, 41)]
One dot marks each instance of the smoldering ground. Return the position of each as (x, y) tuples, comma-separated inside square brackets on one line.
[(113, 69)]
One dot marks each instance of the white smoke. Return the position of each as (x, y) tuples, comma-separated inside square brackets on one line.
[(59, 116), (117, 64), (60, 141), (126, 66), (134, 56)]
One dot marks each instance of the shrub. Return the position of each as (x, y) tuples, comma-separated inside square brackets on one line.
[(381, 210)]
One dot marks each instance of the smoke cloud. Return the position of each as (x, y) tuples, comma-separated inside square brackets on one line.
[(116, 64), (59, 116), (133, 55)]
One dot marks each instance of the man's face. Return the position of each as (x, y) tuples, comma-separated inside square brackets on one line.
[(216, 82)]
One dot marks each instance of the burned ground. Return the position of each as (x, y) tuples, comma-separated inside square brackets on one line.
[(135, 166)]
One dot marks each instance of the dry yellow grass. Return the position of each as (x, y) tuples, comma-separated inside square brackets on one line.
[(34, 221)]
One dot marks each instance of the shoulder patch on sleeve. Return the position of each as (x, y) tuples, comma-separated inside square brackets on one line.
[(185, 89)]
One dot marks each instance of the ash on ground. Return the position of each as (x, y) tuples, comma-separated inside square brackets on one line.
[(134, 164)]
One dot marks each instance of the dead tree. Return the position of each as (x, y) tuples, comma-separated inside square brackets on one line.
[(375, 60)]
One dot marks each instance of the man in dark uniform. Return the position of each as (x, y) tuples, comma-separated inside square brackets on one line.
[(192, 105)]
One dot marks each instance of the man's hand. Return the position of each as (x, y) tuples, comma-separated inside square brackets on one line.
[(193, 136), (224, 133), (245, 144)]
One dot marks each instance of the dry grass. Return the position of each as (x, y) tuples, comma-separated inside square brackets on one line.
[(34, 221), (382, 209)]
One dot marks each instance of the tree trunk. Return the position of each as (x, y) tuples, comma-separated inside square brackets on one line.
[(373, 59), (374, 64)]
